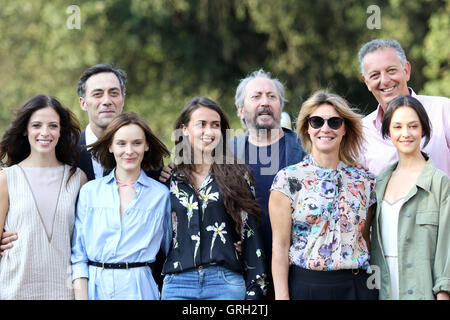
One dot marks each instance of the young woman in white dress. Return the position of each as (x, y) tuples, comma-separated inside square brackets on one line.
[(39, 185)]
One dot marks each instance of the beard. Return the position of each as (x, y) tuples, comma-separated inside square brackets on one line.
[(252, 121)]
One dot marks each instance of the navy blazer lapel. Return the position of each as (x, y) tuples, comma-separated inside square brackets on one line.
[(85, 158)]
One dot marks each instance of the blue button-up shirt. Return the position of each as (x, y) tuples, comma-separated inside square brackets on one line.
[(101, 235)]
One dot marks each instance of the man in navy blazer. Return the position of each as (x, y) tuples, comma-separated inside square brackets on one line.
[(101, 91)]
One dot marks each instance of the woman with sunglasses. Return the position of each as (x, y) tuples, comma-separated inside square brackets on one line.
[(318, 208)]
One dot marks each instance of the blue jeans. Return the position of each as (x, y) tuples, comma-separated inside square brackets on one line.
[(207, 283)]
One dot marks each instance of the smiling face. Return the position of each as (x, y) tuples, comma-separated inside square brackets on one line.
[(262, 105), (128, 146), (325, 140), (203, 130), (104, 100), (406, 131), (385, 76), (43, 131)]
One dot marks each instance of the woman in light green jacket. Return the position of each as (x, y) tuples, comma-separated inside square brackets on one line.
[(411, 228)]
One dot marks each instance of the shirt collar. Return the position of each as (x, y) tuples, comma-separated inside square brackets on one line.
[(378, 121), (90, 136), (423, 180), (182, 178), (111, 178), (425, 177), (309, 158)]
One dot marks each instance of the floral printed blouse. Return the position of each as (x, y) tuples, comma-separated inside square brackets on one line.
[(204, 234), (329, 209)]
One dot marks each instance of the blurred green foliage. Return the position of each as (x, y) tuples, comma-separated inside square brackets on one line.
[(173, 50)]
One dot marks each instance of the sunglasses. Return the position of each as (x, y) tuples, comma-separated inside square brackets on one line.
[(317, 122)]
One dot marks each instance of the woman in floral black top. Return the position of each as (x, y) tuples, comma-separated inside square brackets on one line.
[(213, 207)]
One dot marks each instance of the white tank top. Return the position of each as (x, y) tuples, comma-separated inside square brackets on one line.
[(389, 234)]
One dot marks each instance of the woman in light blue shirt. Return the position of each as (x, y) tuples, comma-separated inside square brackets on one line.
[(122, 219)]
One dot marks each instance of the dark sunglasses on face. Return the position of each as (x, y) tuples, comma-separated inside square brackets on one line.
[(317, 122)]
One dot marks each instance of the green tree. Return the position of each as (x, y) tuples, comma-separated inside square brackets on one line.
[(173, 50)]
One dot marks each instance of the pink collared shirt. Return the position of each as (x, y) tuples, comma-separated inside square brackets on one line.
[(378, 153)]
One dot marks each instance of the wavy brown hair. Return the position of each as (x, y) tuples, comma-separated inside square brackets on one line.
[(229, 175), (15, 147), (153, 157), (352, 141)]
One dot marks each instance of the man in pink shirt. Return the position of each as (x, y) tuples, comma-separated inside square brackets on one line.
[(386, 72)]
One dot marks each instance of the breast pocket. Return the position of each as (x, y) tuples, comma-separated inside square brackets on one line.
[(427, 218), (427, 228)]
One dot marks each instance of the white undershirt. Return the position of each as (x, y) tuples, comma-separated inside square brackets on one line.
[(92, 138), (389, 233)]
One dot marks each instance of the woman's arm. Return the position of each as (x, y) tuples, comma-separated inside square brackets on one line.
[(83, 178), (80, 288), (368, 225), (441, 268), (280, 218), (4, 200), (79, 259)]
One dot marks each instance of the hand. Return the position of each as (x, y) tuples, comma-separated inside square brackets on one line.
[(238, 246), (442, 295), (166, 172), (360, 166), (6, 242)]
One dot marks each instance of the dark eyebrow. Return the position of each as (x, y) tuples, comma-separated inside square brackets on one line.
[(137, 139), (101, 90), (408, 122), (39, 121)]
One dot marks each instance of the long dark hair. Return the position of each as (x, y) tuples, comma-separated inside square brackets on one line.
[(229, 175), (15, 147), (153, 157)]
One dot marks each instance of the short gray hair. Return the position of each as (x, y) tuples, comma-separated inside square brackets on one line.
[(377, 44), (240, 90)]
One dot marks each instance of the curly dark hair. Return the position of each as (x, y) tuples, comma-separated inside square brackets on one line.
[(14, 146)]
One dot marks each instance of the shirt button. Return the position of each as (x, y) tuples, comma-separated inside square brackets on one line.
[(408, 239), (410, 291), (407, 214), (409, 265)]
